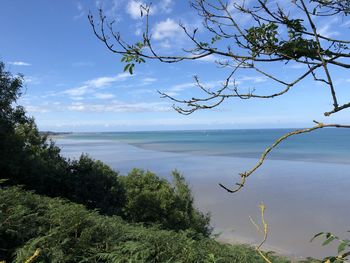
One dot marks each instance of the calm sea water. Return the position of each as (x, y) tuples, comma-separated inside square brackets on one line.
[(304, 183)]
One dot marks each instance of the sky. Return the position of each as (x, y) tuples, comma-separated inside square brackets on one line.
[(74, 83)]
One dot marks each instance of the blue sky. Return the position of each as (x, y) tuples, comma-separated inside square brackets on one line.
[(73, 83)]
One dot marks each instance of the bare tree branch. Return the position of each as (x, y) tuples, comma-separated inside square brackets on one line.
[(272, 36), (264, 155)]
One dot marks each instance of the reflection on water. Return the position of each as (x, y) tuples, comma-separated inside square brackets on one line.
[(302, 198)]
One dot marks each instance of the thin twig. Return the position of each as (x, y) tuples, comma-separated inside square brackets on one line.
[(264, 231)]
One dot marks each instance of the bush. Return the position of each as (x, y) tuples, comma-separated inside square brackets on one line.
[(67, 232), (152, 200)]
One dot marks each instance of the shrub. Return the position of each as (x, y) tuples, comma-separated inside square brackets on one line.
[(152, 200), (67, 232)]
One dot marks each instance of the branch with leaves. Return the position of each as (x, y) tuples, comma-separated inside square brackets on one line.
[(274, 35), (343, 247)]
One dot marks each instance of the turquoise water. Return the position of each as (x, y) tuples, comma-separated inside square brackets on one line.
[(327, 145), (304, 183)]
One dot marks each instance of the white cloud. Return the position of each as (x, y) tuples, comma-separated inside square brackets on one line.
[(298, 66), (106, 81), (31, 80), (35, 109), (166, 6), (181, 87), (176, 89), (134, 8), (328, 28), (166, 29), (254, 79), (19, 63), (92, 85), (210, 58), (104, 96), (80, 10), (149, 79), (79, 91), (120, 106)]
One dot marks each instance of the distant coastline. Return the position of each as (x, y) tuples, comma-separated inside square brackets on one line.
[(53, 135)]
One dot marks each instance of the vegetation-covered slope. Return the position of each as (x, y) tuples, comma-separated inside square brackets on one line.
[(68, 232)]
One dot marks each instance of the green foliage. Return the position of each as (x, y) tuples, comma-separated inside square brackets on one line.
[(96, 185), (265, 39), (132, 56), (39, 166), (343, 247), (262, 38), (11, 115), (67, 232), (151, 199)]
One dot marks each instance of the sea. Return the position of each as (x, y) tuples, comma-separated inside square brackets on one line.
[(304, 182)]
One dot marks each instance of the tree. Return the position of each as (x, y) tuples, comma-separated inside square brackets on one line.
[(275, 35), (10, 116)]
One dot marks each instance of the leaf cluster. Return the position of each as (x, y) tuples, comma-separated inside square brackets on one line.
[(343, 247)]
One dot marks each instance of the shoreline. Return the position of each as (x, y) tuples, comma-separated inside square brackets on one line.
[(293, 191)]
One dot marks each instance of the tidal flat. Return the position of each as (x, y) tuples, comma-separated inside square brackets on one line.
[(302, 198)]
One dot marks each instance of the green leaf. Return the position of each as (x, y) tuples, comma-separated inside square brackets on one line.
[(3, 181), (127, 67), (131, 68), (342, 246), (328, 240)]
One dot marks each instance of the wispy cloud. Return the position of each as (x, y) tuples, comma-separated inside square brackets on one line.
[(99, 107), (133, 8), (119, 106), (166, 29), (104, 96), (92, 85), (210, 58), (252, 79), (19, 63), (328, 29), (145, 81), (80, 10), (177, 89), (170, 35), (106, 81), (149, 80), (31, 80), (36, 109), (166, 6)]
